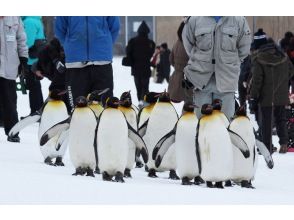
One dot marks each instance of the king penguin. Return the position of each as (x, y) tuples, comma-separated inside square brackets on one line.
[(112, 135), (183, 135), (127, 108), (162, 119)]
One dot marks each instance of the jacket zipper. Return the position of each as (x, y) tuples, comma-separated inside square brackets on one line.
[(87, 38)]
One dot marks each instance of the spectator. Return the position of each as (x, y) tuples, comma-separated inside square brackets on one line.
[(140, 50), (271, 71), (14, 51), (290, 52), (163, 68), (155, 59), (88, 43), (179, 59), (284, 43), (35, 32), (216, 46)]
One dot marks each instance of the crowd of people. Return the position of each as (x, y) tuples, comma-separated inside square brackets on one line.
[(212, 58)]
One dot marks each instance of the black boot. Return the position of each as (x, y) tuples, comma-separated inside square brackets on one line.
[(186, 181), (228, 183), (48, 161), (198, 180), (246, 184), (152, 173), (79, 172), (58, 162), (127, 173), (173, 175), (106, 176), (90, 172), (119, 177), (209, 184), (219, 185)]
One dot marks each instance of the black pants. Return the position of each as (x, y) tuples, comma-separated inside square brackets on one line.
[(161, 77), (242, 94), (35, 92), (8, 99), (82, 81), (279, 113), (142, 86)]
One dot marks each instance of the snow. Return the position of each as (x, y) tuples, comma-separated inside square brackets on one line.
[(25, 179)]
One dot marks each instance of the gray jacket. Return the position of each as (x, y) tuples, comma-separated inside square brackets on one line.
[(216, 48), (12, 46)]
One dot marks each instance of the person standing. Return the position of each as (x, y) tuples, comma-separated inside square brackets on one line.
[(163, 68), (140, 50), (35, 32), (14, 51), (216, 46), (88, 42), (271, 72)]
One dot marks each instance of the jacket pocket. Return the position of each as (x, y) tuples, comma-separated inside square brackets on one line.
[(203, 38), (229, 39)]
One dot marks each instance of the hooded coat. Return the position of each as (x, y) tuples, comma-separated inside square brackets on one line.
[(271, 72), (140, 50)]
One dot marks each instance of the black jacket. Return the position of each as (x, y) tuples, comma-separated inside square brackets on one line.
[(164, 64)]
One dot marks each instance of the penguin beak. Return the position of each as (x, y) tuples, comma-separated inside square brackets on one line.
[(62, 92), (103, 91)]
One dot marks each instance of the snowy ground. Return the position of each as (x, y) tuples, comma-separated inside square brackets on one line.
[(25, 179)]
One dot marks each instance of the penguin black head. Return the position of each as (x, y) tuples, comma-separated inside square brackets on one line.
[(81, 102), (112, 102), (217, 104), (188, 107), (126, 99), (164, 97), (57, 94), (206, 109), (151, 97), (241, 111), (96, 96)]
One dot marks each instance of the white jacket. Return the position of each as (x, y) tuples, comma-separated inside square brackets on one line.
[(12, 46)]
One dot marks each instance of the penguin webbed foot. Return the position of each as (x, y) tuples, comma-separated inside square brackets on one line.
[(119, 177), (106, 176), (90, 172), (219, 185), (127, 173), (209, 184), (186, 181), (58, 162), (173, 175), (152, 173), (49, 162), (79, 172), (139, 164), (228, 183), (146, 168), (198, 180), (97, 170), (246, 184)]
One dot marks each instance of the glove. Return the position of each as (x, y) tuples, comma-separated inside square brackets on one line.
[(24, 65), (253, 105), (186, 84), (59, 66)]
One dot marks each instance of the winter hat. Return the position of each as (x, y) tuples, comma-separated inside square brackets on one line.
[(143, 28), (259, 38)]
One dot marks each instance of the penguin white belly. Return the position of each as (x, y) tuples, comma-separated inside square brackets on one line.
[(161, 121), (53, 113), (244, 168), (81, 138), (169, 161), (215, 150), (131, 154), (187, 164), (112, 138)]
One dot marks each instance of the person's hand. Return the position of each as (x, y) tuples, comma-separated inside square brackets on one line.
[(24, 65), (38, 73), (253, 105)]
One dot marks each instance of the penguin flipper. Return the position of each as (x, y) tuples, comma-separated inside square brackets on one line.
[(54, 130), (28, 120), (63, 138), (265, 153), (238, 142), (197, 150), (139, 142), (162, 146), (142, 130)]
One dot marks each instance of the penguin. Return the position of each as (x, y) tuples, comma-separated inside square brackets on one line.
[(162, 119), (127, 108), (95, 101), (214, 148), (183, 135), (112, 135)]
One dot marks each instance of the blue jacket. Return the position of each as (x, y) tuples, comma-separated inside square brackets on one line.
[(87, 38), (34, 30)]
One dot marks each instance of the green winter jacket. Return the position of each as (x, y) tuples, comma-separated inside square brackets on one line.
[(34, 30), (271, 72)]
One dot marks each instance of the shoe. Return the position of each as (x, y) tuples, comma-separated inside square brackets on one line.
[(274, 150), (14, 139), (283, 149)]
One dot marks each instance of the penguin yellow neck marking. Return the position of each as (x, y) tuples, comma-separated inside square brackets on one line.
[(56, 102), (188, 115), (149, 108), (125, 109)]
